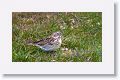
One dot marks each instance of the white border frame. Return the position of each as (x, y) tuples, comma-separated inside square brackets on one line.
[(104, 67)]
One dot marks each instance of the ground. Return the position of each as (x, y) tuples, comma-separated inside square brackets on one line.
[(81, 36)]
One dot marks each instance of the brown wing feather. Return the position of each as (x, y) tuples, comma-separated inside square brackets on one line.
[(44, 41)]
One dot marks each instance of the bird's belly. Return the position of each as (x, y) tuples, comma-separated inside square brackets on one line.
[(50, 47)]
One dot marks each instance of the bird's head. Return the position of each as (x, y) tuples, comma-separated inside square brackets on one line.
[(57, 35)]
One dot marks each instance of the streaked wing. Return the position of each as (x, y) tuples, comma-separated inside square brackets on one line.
[(44, 41)]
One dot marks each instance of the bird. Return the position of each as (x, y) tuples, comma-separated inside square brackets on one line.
[(50, 43)]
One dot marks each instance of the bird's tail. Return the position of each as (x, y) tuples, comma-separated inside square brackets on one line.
[(29, 42)]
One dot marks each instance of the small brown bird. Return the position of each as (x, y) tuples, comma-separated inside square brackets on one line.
[(50, 43)]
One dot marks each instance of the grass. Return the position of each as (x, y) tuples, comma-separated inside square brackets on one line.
[(81, 36)]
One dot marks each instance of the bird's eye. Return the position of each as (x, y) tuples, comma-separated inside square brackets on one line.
[(55, 35), (58, 33)]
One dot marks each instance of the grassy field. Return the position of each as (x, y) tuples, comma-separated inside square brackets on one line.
[(81, 36)]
